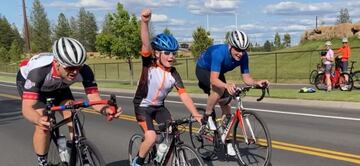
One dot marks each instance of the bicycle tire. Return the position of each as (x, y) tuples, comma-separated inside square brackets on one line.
[(134, 146), (257, 151), (312, 77), (53, 157), (204, 144), (342, 83), (92, 156), (320, 83), (186, 156), (356, 79)]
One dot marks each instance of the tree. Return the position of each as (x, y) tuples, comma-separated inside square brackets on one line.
[(62, 28), (124, 38), (87, 29), (18, 37), (277, 41), (15, 51), (343, 16), (6, 33), (74, 28), (40, 29), (4, 57), (287, 40), (202, 41), (167, 31), (268, 46)]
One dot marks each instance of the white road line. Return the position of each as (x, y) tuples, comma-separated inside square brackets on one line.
[(254, 109)]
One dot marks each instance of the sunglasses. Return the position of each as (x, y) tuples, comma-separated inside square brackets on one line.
[(72, 68), (238, 50), (169, 52)]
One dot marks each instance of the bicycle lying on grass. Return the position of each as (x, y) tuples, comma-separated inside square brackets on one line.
[(176, 154), (79, 150), (250, 138)]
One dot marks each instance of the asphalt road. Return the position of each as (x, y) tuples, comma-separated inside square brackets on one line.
[(302, 135)]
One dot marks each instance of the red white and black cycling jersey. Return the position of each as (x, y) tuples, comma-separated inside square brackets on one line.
[(40, 76), (155, 83)]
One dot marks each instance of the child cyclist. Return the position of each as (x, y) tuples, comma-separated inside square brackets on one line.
[(157, 79)]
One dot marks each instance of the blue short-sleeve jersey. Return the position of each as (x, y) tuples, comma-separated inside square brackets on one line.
[(217, 58)]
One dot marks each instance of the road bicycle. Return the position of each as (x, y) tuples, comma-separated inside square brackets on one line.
[(313, 73), (250, 136), (338, 79), (178, 153), (355, 75), (80, 151)]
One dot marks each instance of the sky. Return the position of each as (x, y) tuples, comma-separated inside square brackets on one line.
[(260, 19)]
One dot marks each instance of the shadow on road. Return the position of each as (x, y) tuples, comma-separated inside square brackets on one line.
[(119, 163), (9, 111)]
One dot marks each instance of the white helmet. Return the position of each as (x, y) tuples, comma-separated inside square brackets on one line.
[(344, 40), (69, 52), (238, 39), (328, 43)]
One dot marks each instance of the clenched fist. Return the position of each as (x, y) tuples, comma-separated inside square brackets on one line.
[(146, 15)]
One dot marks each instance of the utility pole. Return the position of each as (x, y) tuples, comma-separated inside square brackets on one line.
[(26, 29)]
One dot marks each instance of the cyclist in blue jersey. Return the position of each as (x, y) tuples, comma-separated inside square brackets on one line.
[(49, 75), (211, 66)]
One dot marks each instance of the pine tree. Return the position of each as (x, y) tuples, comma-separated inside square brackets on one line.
[(40, 29), (6, 33), (167, 31), (15, 51), (87, 29), (62, 29)]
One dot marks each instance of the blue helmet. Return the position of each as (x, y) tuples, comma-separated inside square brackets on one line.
[(164, 42)]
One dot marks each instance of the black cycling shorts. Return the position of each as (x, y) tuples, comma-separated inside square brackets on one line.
[(203, 76), (59, 95), (146, 115)]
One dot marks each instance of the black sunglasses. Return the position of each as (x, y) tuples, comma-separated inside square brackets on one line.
[(238, 50)]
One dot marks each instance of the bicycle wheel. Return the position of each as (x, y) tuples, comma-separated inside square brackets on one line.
[(254, 147), (313, 76), (356, 79), (203, 143), (320, 83), (186, 156), (134, 146), (53, 157), (89, 155), (346, 85)]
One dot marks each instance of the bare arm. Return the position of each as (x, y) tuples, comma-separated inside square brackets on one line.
[(217, 83), (144, 31), (189, 104), (34, 115), (248, 80)]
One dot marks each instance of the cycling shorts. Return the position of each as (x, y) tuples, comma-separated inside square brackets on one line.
[(59, 95), (203, 76), (146, 115)]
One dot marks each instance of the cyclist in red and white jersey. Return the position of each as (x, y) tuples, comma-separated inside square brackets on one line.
[(49, 75)]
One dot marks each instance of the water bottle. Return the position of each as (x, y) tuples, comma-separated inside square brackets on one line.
[(162, 148), (63, 150)]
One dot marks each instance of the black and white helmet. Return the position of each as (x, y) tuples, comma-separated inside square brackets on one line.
[(69, 52), (238, 39)]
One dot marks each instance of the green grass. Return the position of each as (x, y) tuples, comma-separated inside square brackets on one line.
[(335, 95)]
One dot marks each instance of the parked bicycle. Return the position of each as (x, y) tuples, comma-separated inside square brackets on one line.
[(355, 75), (338, 79), (250, 138), (176, 154), (313, 73), (78, 150)]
